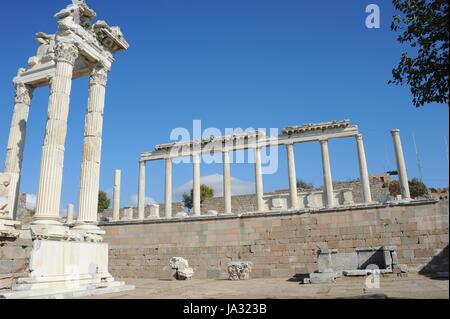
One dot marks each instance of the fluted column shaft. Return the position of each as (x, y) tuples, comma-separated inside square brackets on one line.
[(328, 180), (401, 165), (141, 195), (168, 191), (16, 144), (92, 150), (197, 186), (51, 174), (227, 182), (363, 169), (292, 177), (116, 201), (259, 181)]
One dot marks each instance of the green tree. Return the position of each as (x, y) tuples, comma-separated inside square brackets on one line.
[(416, 187), (304, 185), (103, 202), (206, 192), (424, 25)]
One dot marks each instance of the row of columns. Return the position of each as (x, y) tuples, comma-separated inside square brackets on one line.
[(293, 190), (52, 161)]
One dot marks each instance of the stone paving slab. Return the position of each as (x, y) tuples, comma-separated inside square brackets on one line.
[(411, 287)]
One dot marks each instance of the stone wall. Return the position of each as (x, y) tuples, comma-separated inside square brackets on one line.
[(14, 259), (279, 244)]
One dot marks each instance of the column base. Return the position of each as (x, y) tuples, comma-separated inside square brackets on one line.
[(66, 269)]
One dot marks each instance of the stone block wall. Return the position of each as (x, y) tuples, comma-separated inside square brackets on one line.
[(278, 244), (14, 260)]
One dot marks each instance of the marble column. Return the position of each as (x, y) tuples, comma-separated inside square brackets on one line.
[(227, 182), (141, 195), (293, 191), (51, 174), (70, 209), (197, 186), (116, 200), (168, 192), (259, 181), (401, 165), (328, 180), (16, 143), (363, 169), (92, 151)]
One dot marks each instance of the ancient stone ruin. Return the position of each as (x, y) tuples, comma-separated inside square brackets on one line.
[(64, 259)]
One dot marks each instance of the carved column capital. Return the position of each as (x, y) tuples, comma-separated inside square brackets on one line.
[(99, 75), (24, 93), (66, 52)]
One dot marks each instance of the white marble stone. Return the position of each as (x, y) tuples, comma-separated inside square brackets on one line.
[(401, 165), (154, 212), (363, 169), (116, 199), (328, 180)]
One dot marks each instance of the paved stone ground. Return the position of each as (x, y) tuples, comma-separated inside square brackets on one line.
[(411, 287)]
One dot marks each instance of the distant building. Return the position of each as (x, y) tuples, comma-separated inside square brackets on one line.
[(383, 178)]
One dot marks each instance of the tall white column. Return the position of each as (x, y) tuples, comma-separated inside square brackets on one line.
[(16, 144), (141, 195), (51, 175), (259, 181), (69, 219), (168, 193), (293, 191), (328, 180), (227, 182), (401, 165), (92, 151), (116, 201), (197, 186), (363, 169)]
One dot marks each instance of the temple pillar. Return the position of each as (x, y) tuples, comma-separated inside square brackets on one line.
[(168, 192), (293, 191), (259, 181), (328, 180), (51, 174), (227, 182), (197, 186), (92, 151), (401, 165), (365, 182), (16, 145), (141, 191), (116, 200)]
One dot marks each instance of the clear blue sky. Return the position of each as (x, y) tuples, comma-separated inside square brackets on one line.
[(233, 63)]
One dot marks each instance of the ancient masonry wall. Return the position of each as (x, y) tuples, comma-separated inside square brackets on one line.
[(14, 259), (279, 245)]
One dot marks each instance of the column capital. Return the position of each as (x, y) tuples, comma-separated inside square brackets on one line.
[(323, 141), (359, 136), (99, 75), (66, 52), (24, 93), (395, 131)]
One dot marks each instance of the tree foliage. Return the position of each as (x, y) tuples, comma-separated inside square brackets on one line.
[(416, 187), (424, 25), (304, 185), (103, 202), (206, 192)]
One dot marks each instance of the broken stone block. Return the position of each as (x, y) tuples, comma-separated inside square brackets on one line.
[(325, 278), (181, 266), (240, 270)]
